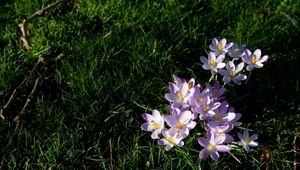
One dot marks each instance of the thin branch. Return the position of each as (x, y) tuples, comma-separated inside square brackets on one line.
[(23, 25), (41, 60), (17, 119)]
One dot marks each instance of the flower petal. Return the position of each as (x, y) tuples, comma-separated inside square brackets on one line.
[(223, 148), (203, 153), (257, 53), (215, 155)]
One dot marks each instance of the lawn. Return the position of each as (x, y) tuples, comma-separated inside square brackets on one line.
[(84, 110)]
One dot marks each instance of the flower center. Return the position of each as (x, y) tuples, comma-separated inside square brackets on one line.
[(217, 117), (206, 108), (236, 51), (232, 74), (180, 124), (211, 147), (220, 46), (219, 132), (216, 92), (212, 62), (179, 95), (170, 139), (253, 59), (155, 125), (201, 99), (247, 140)]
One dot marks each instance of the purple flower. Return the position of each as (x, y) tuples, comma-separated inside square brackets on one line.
[(219, 47), (235, 51), (216, 91), (232, 73), (155, 123), (212, 145), (219, 118), (218, 131), (180, 122), (205, 107), (170, 139), (247, 141), (213, 63), (180, 93), (254, 60)]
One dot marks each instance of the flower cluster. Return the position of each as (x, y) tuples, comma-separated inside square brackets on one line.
[(190, 103), (215, 62)]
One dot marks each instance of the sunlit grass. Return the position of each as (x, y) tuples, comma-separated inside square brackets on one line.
[(119, 57)]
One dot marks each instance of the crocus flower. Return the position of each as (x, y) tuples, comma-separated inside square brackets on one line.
[(232, 73), (205, 107), (254, 60), (170, 139), (216, 91), (181, 123), (235, 51), (212, 145), (247, 141), (180, 97), (219, 47), (155, 123), (218, 130), (219, 118), (213, 63)]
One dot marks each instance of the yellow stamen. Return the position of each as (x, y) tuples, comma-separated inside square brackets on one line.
[(212, 147), (180, 125), (175, 82), (220, 133), (232, 74), (206, 108), (189, 85), (212, 62), (253, 59), (155, 125), (247, 140), (170, 139), (216, 92), (179, 95), (220, 46), (217, 117), (201, 99), (236, 51)]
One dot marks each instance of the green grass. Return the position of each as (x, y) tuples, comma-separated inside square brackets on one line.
[(119, 57)]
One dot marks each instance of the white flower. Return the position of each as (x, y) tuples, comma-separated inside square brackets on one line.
[(247, 141), (171, 138), (254, 60), (213, 63), (155, 123), (232, 73), (220, 47)]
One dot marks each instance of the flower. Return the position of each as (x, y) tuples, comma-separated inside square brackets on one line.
[(247, 141), (232, 73), (155, 123), (213, 63), (180, 93), (205, 107), (254, 60), (212, 145), (219, 47), (170, 139), (235, 51), (181, 123), (217, 130)]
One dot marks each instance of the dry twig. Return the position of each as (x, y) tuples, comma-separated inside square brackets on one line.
[(23, 25)]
